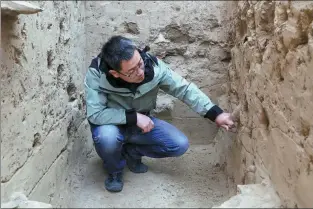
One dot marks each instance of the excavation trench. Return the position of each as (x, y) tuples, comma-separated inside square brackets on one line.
[(196, 179), (232, 51), (192, 41)]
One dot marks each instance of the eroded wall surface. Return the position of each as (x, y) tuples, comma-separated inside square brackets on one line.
[(42, 104), (271, 79), (189, 36)]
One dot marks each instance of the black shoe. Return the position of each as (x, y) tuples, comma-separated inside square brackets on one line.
[(114, 182), (135, 165)]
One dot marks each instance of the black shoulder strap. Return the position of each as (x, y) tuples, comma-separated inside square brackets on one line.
[(147, 56)]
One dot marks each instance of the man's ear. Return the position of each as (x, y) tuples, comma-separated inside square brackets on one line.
[(114, 73)]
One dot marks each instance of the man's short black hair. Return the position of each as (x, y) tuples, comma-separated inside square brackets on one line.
[(116, 49)]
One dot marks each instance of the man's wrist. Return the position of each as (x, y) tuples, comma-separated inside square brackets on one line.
[(213, 113), (131, 117)]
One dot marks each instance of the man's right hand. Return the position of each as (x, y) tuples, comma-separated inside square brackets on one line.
[(144, 122)]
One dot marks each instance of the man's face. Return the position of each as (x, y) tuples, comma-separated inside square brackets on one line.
[(132, 70)]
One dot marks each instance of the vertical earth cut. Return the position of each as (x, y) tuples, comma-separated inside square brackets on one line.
[(42, 107), (271, 80)]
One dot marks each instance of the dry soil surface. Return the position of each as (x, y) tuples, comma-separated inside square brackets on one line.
[(191, 180)]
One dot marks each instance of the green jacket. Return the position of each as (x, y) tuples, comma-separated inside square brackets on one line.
[(107, 104)]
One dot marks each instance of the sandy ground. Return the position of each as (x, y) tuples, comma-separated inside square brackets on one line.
[(191, 180)]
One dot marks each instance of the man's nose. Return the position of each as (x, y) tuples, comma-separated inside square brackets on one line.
[(140, 72)]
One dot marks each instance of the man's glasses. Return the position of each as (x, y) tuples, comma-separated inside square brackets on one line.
[(133, 73)]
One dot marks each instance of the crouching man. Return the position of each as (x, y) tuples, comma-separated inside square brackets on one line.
[(121, 89)]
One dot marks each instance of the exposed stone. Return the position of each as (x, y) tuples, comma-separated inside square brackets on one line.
[(139, 11), (161, 39), (19, 200), (131, 27), (19, 7), (253, 196)]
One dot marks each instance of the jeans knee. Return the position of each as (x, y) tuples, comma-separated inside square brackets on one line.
[(106, 139), (181, 146)]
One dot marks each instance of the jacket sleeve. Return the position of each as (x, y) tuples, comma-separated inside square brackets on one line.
[(96, 101), (175, 85)]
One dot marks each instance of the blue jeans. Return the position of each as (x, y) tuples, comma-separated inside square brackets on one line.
[(110, 141)]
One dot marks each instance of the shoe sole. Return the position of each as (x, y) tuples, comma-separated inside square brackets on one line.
[(135, 171), (114, 189)]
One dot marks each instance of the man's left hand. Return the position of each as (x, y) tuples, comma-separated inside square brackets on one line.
[(225, 120)]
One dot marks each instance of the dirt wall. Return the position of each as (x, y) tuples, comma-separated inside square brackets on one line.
[(271, 79), (42, 107)]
